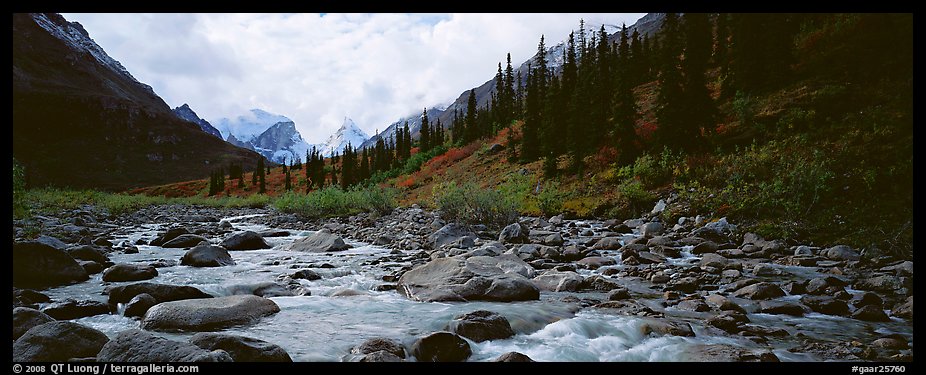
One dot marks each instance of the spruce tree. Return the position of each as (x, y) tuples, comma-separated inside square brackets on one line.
[(625, 106), (261, 176), (670, 97), (472, 129), (699, 108), (508, 95), (425, 141)]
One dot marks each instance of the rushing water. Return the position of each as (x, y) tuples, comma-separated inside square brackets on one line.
[(323, 328)]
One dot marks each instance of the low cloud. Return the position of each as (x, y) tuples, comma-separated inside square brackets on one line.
[(317, 69)]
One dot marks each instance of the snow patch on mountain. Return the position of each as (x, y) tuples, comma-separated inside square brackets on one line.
[(349, 132)]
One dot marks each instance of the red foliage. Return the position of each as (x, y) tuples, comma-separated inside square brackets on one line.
[(407, 183), (605, 155), (646, 130)]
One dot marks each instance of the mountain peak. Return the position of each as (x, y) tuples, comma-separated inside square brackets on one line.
[(348, 133)]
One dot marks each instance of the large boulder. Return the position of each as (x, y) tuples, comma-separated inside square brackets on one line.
[(241, 349), (666, 328), (184, 241), (207, 255), (136, 345), (556, 281), (58, 342), (73, 309), (476, 278), (160, 292), (448, 234), (481, 325), (139, 305), (759, 291), (25, 318), (840, 252), (441, 347), (247, 240), (129, 272), (208, 314), (168, 235), (380, 344), (38, 265), (320, 242), (52, 241), (514, 233), (713, 260), (28, 298)]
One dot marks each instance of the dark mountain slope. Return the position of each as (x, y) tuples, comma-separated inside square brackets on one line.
[(81, 120)]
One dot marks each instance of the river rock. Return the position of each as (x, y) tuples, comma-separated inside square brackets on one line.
[(28, 298), (320, 242), (139, 305), (618, 294), (184, 241), (695, 305), (713, 260), (73, 309), (556, 281), (826, 305), (880, 283), (51, 241), (89, 252), (38, 265), (449, 233), (723, 303), (58, 342), (481, 325), (594, 263), (306, 274), (904, 310), (765, 269), (246, 240), (241, 348), (840, 252), (726, 353), (135, 345), (208, 314), (170, 234), (805, 251), (870, 314), (514, 233), (441, 347), (666, 328), (380, 344), (207, 255), (554, 239), (381, 356), (608, 243), (129, 272), (705, 248), (513, 357), (499, 278), (758, 291), (781, 307), (651, 229), (91, 267), (867, 299), (160, 292), (687, 284), (25, 318), (729, 320)]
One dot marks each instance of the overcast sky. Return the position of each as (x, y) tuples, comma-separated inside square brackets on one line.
[(316, 69)]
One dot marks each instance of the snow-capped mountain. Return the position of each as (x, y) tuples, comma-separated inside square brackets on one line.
[(273, 136), (186, 113), (349, 132)]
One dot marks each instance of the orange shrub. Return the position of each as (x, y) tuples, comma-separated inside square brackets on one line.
[(406, 183)]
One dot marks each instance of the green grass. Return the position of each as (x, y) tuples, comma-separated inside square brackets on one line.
[(332, 202), (469, 204), (52, 200)]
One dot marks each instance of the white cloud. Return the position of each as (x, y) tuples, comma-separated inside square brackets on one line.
[(317, 69)]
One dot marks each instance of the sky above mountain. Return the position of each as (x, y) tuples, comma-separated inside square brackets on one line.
[(317, 69)]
